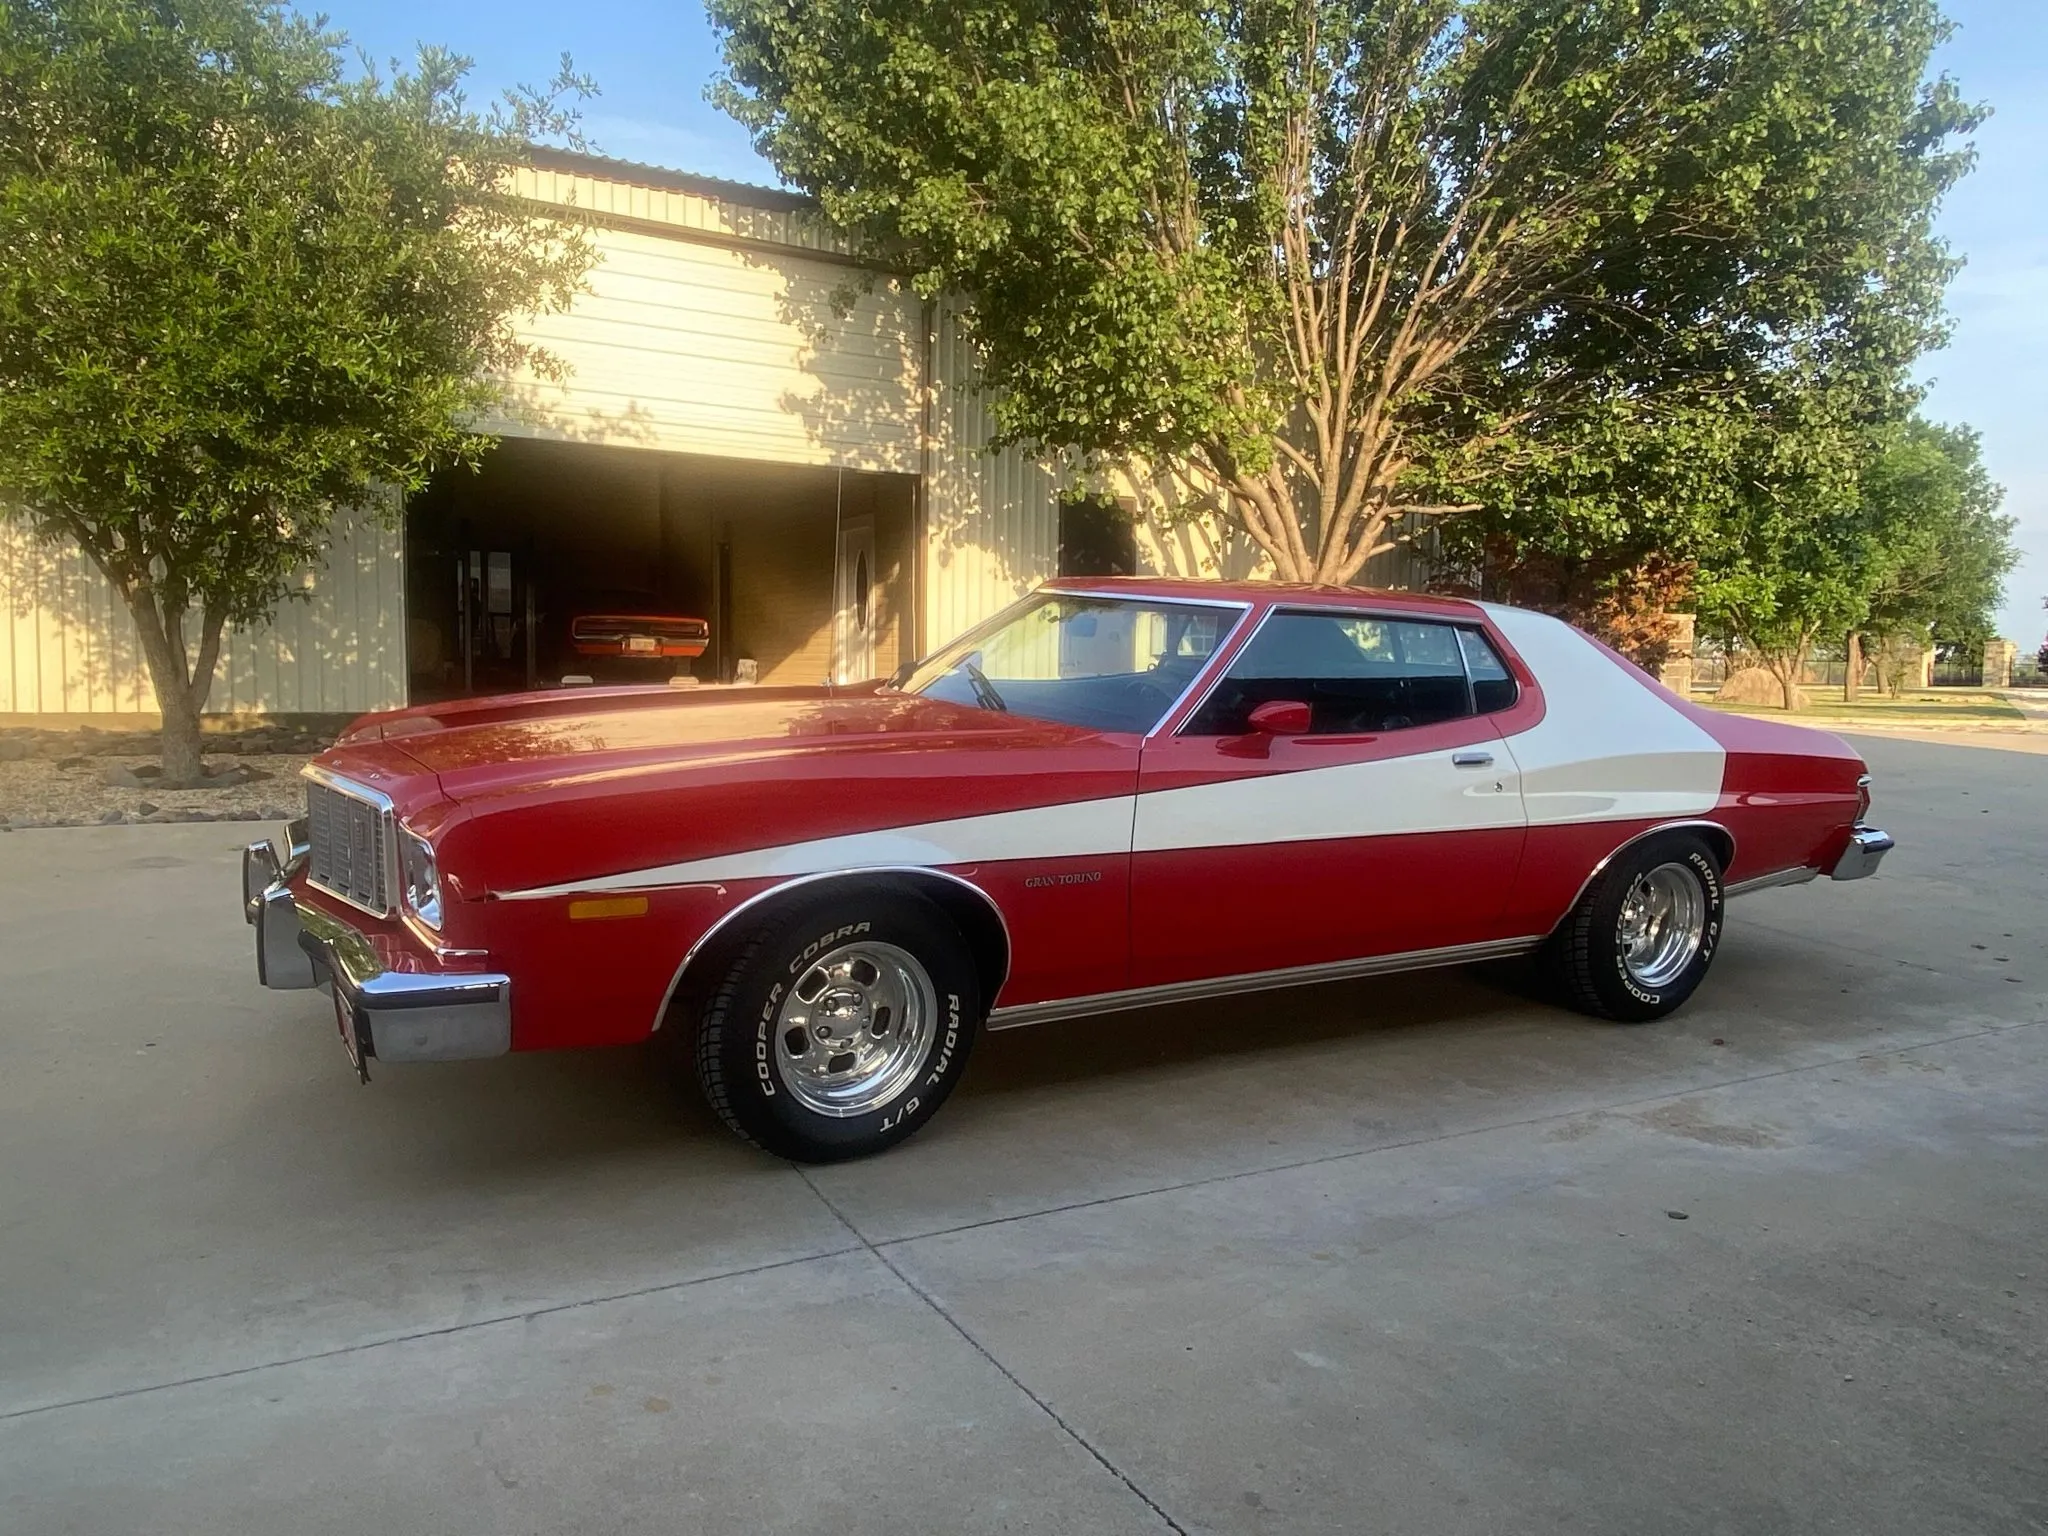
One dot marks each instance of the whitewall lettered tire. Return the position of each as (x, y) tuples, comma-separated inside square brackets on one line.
[(839, 1025), (1642, 935)]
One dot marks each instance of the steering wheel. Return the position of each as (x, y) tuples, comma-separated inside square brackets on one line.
[(1142, 693)]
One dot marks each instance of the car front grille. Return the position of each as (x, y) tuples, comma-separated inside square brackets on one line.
[(350, 841)]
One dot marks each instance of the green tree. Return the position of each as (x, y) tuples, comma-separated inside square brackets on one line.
[(1942, 549), (240, 290), (1840, 526), (1790, 555), (1342, 259)]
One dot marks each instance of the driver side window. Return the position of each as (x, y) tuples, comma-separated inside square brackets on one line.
[(1359, 676)]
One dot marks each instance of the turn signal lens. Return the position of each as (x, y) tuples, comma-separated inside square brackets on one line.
[(607, 906), (1863, 799)]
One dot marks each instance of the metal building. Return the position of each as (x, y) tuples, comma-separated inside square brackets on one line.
[(755, 429)]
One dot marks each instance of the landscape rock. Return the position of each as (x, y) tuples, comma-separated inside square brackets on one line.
[(1754, 685)]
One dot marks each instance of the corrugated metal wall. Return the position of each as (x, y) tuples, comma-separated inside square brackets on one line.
[(710, 327), (992, 520), (735, 347), (68, 646)]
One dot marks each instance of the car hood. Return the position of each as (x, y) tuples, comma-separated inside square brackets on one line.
[(485, 747), (532, 791)]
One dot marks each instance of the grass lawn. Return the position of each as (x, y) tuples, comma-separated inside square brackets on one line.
[(1950, 709)]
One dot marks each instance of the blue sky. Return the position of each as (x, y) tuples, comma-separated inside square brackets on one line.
[(653, 62)]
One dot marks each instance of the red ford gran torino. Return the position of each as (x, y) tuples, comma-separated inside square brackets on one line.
[(1114, 794)]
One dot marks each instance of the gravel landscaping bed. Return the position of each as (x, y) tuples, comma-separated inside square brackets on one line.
[(74, 792)]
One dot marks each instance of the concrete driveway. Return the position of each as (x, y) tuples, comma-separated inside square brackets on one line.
[(1421, 1255)]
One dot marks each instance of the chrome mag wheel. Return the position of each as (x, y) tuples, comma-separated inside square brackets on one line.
[(854, 1030), (1663, 923)]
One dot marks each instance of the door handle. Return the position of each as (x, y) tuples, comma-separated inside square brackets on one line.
[(1472, 759)]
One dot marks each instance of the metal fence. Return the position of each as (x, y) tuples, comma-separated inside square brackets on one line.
[(1959, 673), (1710, 670)]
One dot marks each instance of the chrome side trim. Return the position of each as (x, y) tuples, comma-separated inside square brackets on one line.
[(1799, 876), (1243, 604), (1260, 981), (797, 881), (1658, 830)]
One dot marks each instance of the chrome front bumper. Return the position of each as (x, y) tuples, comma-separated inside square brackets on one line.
[(386, 1014), (1866, 850)]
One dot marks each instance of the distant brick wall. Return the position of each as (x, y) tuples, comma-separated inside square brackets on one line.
[(1676, 673)]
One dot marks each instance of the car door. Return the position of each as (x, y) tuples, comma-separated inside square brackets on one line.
[(1393, 824)]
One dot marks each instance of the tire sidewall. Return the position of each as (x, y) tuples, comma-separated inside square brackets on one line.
[(759, 1097), (1624, 995)]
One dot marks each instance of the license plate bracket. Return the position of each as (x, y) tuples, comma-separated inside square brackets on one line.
[(642, 645), (345, 1024)]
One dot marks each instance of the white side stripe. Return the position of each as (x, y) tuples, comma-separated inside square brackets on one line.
[(1388, 797), (1077, 829), (1607, 748)]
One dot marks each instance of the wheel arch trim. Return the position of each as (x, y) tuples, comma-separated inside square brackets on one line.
[(796, 883), (1690, 824)]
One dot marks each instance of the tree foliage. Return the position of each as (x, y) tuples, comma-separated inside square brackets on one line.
[(1349, 260), (1890, 531), (241, 290), (1943, 550)]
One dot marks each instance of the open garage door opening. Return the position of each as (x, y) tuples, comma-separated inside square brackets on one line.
[(559, 563)]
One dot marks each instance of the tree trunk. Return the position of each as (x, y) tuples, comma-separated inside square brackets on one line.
[(1852, 668), (181, 683), (1786, 666), (179, 747)]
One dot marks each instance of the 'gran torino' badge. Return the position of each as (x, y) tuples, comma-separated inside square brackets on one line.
[(1046, 882)]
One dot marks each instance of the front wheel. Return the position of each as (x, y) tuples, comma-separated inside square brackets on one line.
[(840, 1026), (1641, 937)]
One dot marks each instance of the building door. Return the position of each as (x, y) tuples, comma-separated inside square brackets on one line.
[(855, 618), (495, 620)]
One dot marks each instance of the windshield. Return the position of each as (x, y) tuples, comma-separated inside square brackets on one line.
[(1107, 663)]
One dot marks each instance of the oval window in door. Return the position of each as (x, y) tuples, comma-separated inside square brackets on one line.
[(860, 592)]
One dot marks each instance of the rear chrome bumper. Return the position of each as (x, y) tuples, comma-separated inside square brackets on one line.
[(390, 1015), (1866, 850)]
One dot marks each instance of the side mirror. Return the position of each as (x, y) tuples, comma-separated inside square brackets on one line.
[(1281, 717)]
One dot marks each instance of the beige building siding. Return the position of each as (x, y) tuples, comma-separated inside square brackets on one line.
[(608, 190), (992, 519), (68, 645), (707, 328), (719, 321)]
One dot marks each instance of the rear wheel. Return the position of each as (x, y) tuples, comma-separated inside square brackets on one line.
[(1641, 937), (839, 1026)]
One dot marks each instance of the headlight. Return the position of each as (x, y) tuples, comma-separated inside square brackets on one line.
[(422, 877)]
